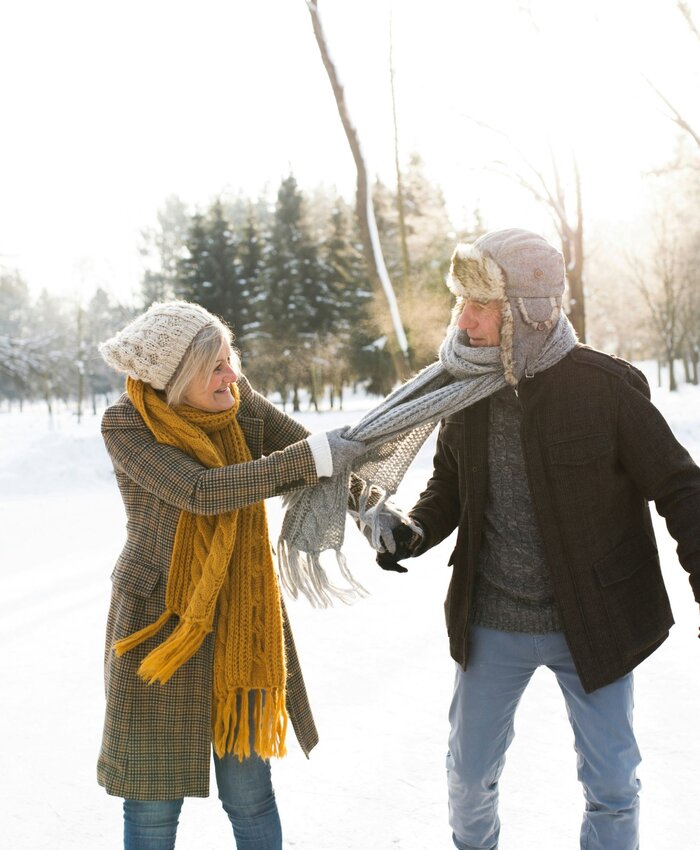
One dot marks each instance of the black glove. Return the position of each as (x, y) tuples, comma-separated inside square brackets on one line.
[(406, 541)]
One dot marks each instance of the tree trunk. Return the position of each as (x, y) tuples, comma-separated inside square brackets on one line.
[(405, 259), (365, 211), (672, 384)]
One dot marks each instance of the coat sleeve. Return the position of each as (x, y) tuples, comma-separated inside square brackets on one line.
[(437, 510), (280, 430), (177, 479), (663, 471)]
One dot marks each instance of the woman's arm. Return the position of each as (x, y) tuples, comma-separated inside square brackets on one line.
[(177, 479), (280, 430)]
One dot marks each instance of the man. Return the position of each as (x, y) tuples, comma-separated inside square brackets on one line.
[(547, 481)]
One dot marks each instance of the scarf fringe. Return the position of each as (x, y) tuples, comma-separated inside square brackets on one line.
[(231, 723), (164, 661), (133, 640), (302, 572)]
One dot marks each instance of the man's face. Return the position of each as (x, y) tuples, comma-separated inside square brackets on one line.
[(482, 322)]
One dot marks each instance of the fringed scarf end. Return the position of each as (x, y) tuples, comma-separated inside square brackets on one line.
[(165, 660), (231, 724), (137, 638), (302, 572)]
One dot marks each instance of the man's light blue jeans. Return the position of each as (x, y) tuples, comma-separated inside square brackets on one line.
[(485, 699), (245, 791)]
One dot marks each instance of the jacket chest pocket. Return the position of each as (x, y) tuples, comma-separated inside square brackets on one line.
[(580, 451)]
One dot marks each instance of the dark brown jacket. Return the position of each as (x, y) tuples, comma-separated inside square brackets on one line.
[(157, 739), (597, 451)]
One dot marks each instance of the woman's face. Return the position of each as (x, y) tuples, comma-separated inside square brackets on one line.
[(211, 392)]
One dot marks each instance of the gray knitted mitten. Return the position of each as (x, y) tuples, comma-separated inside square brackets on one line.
[(343, 452)]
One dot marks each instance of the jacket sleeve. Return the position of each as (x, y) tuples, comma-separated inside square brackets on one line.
[(437, 510), (663, 471), (177, 479), (280, 430)]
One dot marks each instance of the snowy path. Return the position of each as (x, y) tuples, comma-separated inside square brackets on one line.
[(378, 673)]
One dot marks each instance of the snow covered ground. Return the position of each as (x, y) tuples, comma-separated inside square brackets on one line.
[(378, 673)]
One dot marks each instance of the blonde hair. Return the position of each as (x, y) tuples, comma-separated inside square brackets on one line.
[(199, 360)]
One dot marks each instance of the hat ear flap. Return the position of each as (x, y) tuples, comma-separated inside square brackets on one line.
[(507, 345)]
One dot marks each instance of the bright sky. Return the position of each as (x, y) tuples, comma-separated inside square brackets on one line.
[(109, 107)]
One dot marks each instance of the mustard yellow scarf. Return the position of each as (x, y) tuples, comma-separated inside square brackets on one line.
[(223, 564)]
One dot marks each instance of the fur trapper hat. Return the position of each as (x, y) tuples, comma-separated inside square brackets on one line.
[(151, 347), (524, 271)]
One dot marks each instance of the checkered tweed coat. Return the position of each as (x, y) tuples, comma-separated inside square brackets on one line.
[(157, 739)]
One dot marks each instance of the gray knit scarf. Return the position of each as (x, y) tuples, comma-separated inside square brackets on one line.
[(393, 431)]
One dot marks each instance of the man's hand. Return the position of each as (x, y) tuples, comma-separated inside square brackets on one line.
[(406, 542)]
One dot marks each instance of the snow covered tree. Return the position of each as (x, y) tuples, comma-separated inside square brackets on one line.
[(252, 286), (102, 319), (18, 361), (161, 248), (428, 235)]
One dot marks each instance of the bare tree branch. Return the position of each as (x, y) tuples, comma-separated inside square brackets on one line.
[(677, 118), (553, 198), (684, 9)]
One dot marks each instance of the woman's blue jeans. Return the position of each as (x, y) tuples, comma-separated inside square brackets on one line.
[(485, 699), (245, 791)]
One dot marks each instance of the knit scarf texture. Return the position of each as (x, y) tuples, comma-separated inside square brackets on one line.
[(221, 578), (393, 432)]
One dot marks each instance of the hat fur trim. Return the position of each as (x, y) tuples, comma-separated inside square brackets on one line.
[(475, 276)]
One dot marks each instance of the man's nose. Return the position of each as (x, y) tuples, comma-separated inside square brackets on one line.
[(466, 318)]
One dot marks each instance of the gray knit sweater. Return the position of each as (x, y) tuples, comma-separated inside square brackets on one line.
[(514, 592)]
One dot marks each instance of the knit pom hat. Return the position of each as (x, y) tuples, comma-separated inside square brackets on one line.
[(524, 271), (151, 347)]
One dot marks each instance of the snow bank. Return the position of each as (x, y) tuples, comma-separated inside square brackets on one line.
[(378, 673)]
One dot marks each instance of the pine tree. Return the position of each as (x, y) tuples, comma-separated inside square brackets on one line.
[(353, 355), (252, 288), (208, 273), (298, 310)]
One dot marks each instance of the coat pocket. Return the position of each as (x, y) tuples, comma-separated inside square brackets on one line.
[(580, 450), (634, 595), (135, 578)]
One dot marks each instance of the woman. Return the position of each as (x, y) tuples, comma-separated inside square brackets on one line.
[(198, 649)]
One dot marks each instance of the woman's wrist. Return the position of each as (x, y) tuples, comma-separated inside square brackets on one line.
[(318, 443)]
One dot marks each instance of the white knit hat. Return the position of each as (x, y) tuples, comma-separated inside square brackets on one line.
[(151, 347), (524, 271)]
